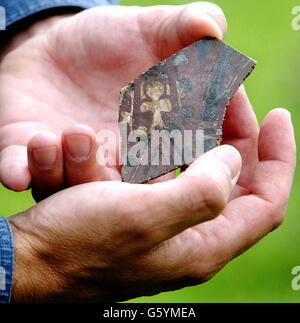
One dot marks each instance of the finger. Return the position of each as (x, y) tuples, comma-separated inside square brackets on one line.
[(45, 164), (277, 159), (80, 157), (252, 217), (240, 129), (198, 253), (240, 121), (14, 168), (168, 29), (199, 194), (247, 219)]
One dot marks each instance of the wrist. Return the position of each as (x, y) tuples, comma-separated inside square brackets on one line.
[(33, 279)]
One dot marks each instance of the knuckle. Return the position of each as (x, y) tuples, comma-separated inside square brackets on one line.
[(197, 275), (132, 224), (215, 192), (129, 224), (278, 217), (276, 208), (210, 190)]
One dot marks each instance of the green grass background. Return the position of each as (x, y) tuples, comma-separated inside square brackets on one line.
[(262, 30)]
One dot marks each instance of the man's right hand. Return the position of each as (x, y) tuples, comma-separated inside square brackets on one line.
[(112, 241)]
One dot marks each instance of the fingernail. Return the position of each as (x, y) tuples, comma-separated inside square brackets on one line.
[(78, 146), (230, 157), (45, 158)]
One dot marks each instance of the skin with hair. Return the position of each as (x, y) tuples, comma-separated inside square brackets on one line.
[(105, 240)]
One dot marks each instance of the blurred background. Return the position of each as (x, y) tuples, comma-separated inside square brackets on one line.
[(261, 29)]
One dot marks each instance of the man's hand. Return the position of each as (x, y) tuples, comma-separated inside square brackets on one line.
[(60, 83), (111, 241)]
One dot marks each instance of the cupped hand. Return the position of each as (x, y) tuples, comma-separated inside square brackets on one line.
[(60, 86), (113, 241)]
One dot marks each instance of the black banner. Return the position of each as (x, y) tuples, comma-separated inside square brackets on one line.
[(133, 312)]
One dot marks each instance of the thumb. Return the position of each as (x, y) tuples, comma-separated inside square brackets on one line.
[(199, 194), (135, 32), (168, 29)]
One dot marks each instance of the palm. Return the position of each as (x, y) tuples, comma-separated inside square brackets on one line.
[(105, 65), (69, 76), (76, 77), (59, 87)]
